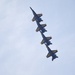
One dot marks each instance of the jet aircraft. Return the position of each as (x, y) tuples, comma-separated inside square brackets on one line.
[(41, 27), (36, 16), (51, 53), (46, 39)]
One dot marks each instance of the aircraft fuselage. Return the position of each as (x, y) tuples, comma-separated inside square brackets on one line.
[(41, 27), (36, 17), (45, 39)]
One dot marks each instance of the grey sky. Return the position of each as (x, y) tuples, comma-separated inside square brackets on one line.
[(20, 50)]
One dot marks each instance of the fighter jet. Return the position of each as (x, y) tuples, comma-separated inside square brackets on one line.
[(51, 53), (45, 39), (41, 27), (36, 16)]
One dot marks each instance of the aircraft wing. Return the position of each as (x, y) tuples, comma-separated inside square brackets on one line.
[(54, 51), (33, 19), (38, 29), (42, 42), (43, 25), (49, 38), (48, 55), (39, 15)]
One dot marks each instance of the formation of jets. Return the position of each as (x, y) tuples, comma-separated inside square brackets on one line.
[(45, 40)]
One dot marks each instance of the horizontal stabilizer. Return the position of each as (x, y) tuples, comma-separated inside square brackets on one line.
[(54, 57)]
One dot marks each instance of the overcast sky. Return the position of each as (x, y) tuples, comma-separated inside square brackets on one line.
[(20, 50)]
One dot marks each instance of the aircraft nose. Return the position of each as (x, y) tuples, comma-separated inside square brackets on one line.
[(56, 50), (30, 8)]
